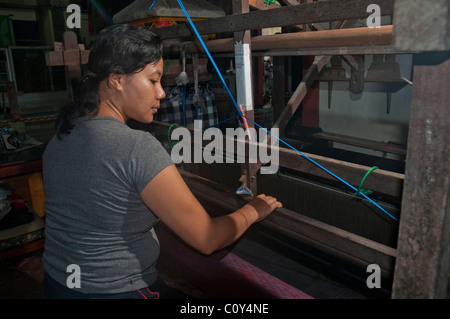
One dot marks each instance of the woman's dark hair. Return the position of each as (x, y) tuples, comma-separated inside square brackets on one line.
[(120, 49)]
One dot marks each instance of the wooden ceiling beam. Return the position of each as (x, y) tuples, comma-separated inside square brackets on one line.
[(301, 40), (261, 5), (323, 11)]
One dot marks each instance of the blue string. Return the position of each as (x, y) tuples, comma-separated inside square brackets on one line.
[(152, 5), (229, 119), (241, 114)]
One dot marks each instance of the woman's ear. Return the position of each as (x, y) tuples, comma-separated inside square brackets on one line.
[(115, 81)]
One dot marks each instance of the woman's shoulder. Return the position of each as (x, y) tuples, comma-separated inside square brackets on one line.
[(111, 127)]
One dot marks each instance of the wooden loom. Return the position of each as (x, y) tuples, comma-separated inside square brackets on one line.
[(419, 267)]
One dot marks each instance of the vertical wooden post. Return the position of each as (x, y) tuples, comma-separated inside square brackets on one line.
[(423, 252), (243, 62)]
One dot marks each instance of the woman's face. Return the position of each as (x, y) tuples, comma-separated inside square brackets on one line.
[(142, 92)]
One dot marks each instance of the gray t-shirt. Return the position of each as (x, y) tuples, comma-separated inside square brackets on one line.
[(95, 217)]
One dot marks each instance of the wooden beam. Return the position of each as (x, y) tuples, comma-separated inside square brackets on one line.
[(301, 91), (360, 142), (322, 11), (300, 40), (423, 264), (380, 181), (261, 5), (335, 50), (290, 2), (69, 54)]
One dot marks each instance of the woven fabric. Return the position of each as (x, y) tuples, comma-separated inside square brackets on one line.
[(172, 110), (222, 274)]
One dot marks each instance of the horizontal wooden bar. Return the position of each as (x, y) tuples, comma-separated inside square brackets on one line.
[(322, 11), (337, 50), (14, 169), (380, 181), (360, 142)]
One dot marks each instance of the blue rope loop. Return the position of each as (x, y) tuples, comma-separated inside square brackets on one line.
[(279, 139)]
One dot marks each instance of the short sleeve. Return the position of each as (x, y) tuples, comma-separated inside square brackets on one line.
[(147, 160)]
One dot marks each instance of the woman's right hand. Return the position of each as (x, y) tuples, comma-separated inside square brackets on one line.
[(264, 205), (185, 215)]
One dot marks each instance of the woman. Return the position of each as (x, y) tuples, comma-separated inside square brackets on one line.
[(106, 185)]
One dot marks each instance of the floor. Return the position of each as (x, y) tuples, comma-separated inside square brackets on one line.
[(21, 277)]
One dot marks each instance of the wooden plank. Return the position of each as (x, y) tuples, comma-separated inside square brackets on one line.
[(15, 169), (289, 2), (236, 277), (301, 91), (244, 86), (360, 142), (322, 11), (264, 5), (380, 181), (422, 25), (423, 264)]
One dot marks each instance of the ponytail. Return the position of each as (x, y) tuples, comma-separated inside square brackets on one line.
[(85, 102)]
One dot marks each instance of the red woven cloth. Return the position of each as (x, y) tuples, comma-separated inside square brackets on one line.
[(223, 274)]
